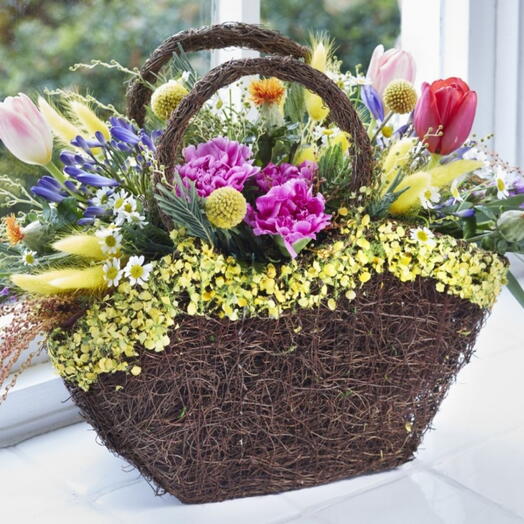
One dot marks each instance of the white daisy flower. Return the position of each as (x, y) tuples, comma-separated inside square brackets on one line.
[(423, 236), (112, 272), (110, 240), (121, 200), (429, 197), (135, 218), (29, 257), (502, 183), (102, 197), (137, 271)]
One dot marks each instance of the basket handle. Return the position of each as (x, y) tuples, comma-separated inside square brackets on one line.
[(210, 37), (289, 70)]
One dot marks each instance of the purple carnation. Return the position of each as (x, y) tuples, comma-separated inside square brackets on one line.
[(290, 211), (217, 163), (276, 175)]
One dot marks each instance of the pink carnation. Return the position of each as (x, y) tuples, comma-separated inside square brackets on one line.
[(276, 175), (290, 211), (217, 163)]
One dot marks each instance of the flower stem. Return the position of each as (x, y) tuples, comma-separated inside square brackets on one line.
[(55, 172), (384, 122)]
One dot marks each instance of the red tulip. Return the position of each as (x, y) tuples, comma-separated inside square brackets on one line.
[(445, 108)]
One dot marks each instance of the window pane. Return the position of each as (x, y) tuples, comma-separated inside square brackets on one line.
[(39, 41), (357, 26)]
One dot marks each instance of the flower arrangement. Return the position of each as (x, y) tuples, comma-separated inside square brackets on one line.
[(285, 276), (256, 218)]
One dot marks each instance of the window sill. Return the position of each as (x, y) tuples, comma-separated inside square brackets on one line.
[(38, 403)]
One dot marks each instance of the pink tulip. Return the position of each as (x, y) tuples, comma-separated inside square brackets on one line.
[(444, 114), (24, 131), (390, 65)]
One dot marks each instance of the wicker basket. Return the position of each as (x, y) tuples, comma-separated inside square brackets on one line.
[(255, 406)]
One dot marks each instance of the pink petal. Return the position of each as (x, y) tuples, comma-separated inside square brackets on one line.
[(375, 62), (459, 127), (426, 118)]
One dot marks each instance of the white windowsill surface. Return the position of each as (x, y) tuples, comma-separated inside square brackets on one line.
[(38, 403)]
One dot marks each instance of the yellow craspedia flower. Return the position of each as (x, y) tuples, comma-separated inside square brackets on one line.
[(166, 98), (400, 96), (225, 207), (267, 91)]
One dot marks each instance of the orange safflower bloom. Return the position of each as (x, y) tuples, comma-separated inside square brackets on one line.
[(13, 230), (267, 91)]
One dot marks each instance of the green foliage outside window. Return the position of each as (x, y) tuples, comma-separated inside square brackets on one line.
[(356, 26)]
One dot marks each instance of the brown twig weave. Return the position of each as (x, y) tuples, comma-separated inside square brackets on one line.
[(233, 409), (210, 37)]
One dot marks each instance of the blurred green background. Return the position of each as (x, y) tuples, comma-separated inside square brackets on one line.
[(41, 39)]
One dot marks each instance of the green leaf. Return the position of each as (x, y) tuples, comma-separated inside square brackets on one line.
[(515, 288), (469, 226), (507, 203), (185, 208), (294, 107)]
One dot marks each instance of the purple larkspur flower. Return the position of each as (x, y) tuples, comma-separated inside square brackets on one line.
[(47, 187), (125, 134), (4, 292), (276, 175), (518, 188), (465, 213), (372, 101), (217, 163), (290, 211)]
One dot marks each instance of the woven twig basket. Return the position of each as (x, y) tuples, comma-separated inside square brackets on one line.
[(238, 408)]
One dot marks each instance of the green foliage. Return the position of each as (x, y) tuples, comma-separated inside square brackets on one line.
[(73, 31), (334, 173), (150, 240), (294, 107), (356, 26), (379, 207), (275, 144), (185, 208)]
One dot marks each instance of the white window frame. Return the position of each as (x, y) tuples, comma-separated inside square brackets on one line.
[(481, 41)]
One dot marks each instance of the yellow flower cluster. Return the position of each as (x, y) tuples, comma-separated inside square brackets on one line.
[(222, 286), (106, 338), (200, 281), (459, 268)]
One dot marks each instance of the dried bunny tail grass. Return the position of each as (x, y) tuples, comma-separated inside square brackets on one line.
[(26, 321), (240, 408)]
